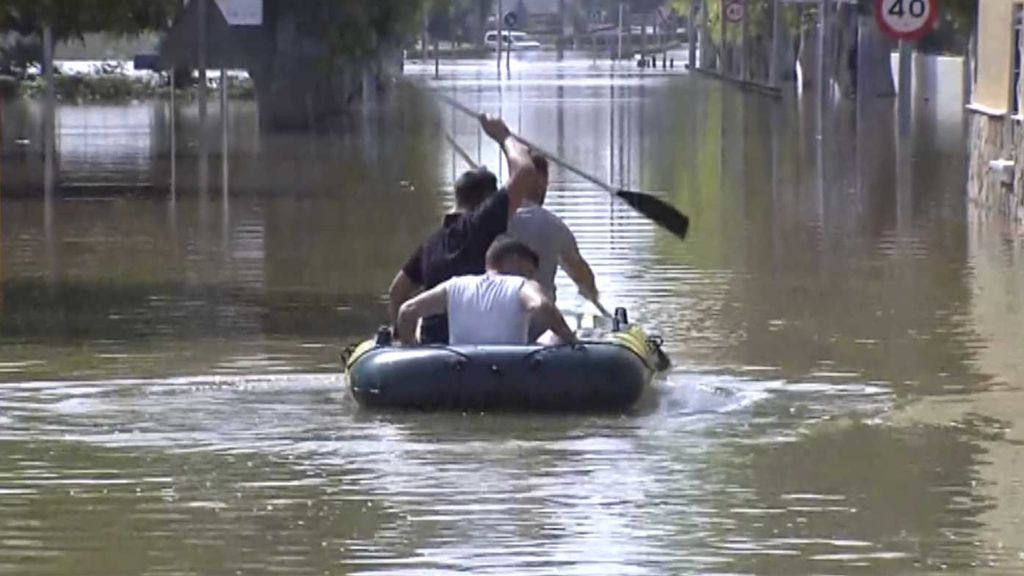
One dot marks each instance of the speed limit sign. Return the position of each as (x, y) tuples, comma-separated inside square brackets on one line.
[(735, 11), (906, 19)]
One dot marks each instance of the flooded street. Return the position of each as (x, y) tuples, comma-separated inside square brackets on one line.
[(846, 335)]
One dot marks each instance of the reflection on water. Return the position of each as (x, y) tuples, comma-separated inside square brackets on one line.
[(845, 337)]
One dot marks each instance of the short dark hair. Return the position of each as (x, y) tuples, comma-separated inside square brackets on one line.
[(505, 248), (473, 187), (540, 163)]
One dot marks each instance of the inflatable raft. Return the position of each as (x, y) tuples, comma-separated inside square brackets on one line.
[(606, 374)]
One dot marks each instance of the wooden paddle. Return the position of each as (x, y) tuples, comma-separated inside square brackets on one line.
[(657, 210)]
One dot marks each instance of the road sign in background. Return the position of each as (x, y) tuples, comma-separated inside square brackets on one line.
[(906, 19), (511, 20), (735, 11), (242, 12)]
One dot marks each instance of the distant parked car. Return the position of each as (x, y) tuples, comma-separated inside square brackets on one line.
[(513, 41)]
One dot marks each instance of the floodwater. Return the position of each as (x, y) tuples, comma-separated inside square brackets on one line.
[(846, 333)]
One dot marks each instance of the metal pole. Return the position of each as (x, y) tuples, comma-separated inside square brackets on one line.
[(691, 39), (437, 59), (499, 39), (822, 27), (224, 125), (174, 139), (775, 64), (722, 40), (50, 113), (643, 39), (629, 29), (48, 64), (424, 34), (1, 209), (905, 87), (705, 31), (621, 16), (561, 29), (744, 42), (49, 153), (201, 36)]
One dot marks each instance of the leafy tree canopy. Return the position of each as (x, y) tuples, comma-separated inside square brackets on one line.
[(76, 17)]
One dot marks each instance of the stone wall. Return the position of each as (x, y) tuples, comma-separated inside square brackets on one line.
[(993, 138)]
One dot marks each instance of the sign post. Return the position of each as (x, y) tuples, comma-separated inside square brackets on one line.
[(511, 20), (499, 39), (905, 21)]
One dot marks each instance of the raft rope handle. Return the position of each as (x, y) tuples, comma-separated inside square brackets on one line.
[(534, 355), (654, 345)]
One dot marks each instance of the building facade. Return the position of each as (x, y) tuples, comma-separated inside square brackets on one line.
[(996, 111)]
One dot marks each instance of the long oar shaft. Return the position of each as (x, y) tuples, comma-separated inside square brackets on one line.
[(460, 151), (592, 179), (655, 209)]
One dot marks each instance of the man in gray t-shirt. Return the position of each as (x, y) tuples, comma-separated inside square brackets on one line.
[(551, 239)]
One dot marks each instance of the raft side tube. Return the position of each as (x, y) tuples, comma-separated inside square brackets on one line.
[(594, 376)]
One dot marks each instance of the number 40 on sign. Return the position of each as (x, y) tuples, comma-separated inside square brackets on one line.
[(906, 19)]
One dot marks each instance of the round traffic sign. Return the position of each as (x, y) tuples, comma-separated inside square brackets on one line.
[(511, 19), (906, 19), (735, 11)]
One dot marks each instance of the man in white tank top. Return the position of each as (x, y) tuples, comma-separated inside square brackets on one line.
[(493, 308)]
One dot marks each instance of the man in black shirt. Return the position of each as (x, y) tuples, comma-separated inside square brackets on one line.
[(459, 248)]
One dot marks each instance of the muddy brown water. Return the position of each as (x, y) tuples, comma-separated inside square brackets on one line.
[(846, 333)]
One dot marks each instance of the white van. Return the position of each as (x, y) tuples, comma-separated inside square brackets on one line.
[(513, 41)]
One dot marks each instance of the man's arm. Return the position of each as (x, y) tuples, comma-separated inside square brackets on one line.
[(580, 272), (540, 306), (522, 174), (402, 288), (429, 303)]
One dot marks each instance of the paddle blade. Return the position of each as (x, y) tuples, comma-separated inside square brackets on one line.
[(662, 213)]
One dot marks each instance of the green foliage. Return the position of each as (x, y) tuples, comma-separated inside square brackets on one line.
[(71, 18), (353, 28)]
